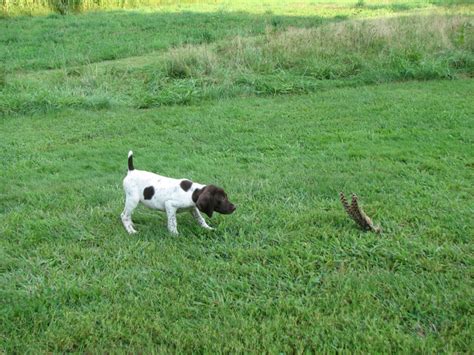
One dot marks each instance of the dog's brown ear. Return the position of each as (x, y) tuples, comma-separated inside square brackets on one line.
[(205, 202)]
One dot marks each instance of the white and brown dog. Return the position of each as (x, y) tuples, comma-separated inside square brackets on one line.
[(170, 195)]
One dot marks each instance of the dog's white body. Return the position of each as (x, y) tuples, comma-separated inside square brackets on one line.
[(170, 195), (166, 190)]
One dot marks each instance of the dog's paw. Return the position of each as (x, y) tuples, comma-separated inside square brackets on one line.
[(131, 230)]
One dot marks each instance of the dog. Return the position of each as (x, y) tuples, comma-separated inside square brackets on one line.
[(172, 196)]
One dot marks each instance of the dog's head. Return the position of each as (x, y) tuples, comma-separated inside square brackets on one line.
[(212, 199)]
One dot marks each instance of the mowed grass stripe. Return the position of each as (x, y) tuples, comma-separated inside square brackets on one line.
[(288, 271)]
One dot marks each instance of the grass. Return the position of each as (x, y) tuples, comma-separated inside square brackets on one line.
[(283, 59), (282, 104), (289, 271)]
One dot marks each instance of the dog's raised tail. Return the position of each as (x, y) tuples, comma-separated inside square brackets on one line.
[(130, 161)]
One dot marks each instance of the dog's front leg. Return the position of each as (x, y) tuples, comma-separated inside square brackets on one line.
[(171, 214), (197, 216)]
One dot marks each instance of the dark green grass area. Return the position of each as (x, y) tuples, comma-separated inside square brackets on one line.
[(288, 271)]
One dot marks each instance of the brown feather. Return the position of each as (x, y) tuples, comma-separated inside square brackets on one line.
[(357, 214)]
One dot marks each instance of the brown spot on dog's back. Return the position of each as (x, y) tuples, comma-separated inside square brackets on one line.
[(148, 192), (186, 185)]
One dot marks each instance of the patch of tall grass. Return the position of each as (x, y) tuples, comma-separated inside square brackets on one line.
[(346, 49), (294, 60)]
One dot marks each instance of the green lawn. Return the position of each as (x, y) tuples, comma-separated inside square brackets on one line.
[(282, 105), (288, 271)]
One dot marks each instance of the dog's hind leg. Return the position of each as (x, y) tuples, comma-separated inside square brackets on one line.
[(131, 202)]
